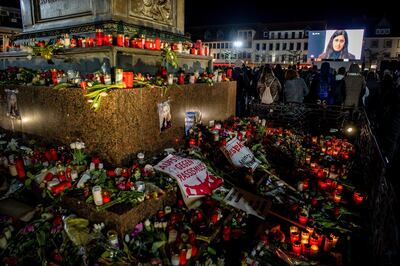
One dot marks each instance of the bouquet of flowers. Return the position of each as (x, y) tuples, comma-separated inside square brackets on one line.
[(78, 153)]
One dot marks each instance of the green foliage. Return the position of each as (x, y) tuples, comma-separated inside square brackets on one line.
[(169, 57)]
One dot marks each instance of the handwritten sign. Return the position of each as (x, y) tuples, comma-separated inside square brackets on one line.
[(192, 175), (240, 155)]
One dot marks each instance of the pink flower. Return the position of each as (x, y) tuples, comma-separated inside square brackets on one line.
[(138, 228), (27, 229)]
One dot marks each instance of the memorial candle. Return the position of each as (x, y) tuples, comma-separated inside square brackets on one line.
[(99, 37), (328, 244), (357, 198), (294, 236), (303, 218), (314, 250), (128, 79), (296, 246), (334, 240), (120, 40)]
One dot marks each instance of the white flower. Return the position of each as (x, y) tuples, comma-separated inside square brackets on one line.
[(78, 145), (73, 145), (98, 227), (82, 145)]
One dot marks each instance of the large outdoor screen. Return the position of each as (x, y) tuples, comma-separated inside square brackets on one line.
[(335, 44)]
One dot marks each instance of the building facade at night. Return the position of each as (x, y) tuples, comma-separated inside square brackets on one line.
[(287, 43)]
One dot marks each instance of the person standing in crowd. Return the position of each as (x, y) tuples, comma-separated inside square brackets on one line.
[(280, 75), (337, 47), (372, 101), (268, 79), (321, 85), (338, 92), (295, 88), (355, 86), (242, 84)]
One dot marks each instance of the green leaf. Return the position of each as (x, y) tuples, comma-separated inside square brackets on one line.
[(211, 251), (157, 245)]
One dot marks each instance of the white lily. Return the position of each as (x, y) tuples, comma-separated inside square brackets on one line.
[(73, 145)]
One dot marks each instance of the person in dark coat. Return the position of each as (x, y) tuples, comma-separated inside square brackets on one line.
[(372, 101), (338, 92)]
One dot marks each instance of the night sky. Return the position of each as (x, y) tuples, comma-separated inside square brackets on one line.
[(341, 14)]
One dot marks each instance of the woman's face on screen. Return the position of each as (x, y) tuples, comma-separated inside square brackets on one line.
[(338, 43)]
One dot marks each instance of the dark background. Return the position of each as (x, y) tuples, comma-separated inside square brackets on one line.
[(336, 13)]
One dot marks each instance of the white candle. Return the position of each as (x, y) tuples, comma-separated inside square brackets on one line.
[(97, 197)]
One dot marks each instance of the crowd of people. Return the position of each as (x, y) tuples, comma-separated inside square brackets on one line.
[(378, 92)]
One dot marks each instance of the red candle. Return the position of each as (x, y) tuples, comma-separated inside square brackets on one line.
[(227, 233), (126, 40), (357, 198), (314, 240), (296, 246), (89, 42), (303, 218), (192, 142), (158, 44), (108, 39), (120, 40), (206, 50), (128, 79), (147, 44), (133, 43), (322, 184), (53, 154), (229, 73), (19, 166), (139, 43), (83, 84), (192, 50), (339, 188), (99, 37), (54, 76), (305, 184), (194, 250), (294, 236), (306, 250), (181, 79), (182, 257)]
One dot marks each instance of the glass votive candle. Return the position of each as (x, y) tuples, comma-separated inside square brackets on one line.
[(294, 236), (175, 260), (314, 250), (303, 218), (97, 196), (337, 197), (293, 229), (306, 249), (296, 247), (328, 244), (305, 235), (334, 240), (310, 230), (313, 240)]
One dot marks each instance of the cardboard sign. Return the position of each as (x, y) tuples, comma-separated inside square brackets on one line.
[(248, 202), (240, 155), (192, 176)]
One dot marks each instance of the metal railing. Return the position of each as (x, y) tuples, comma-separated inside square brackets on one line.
[(383, 202)]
